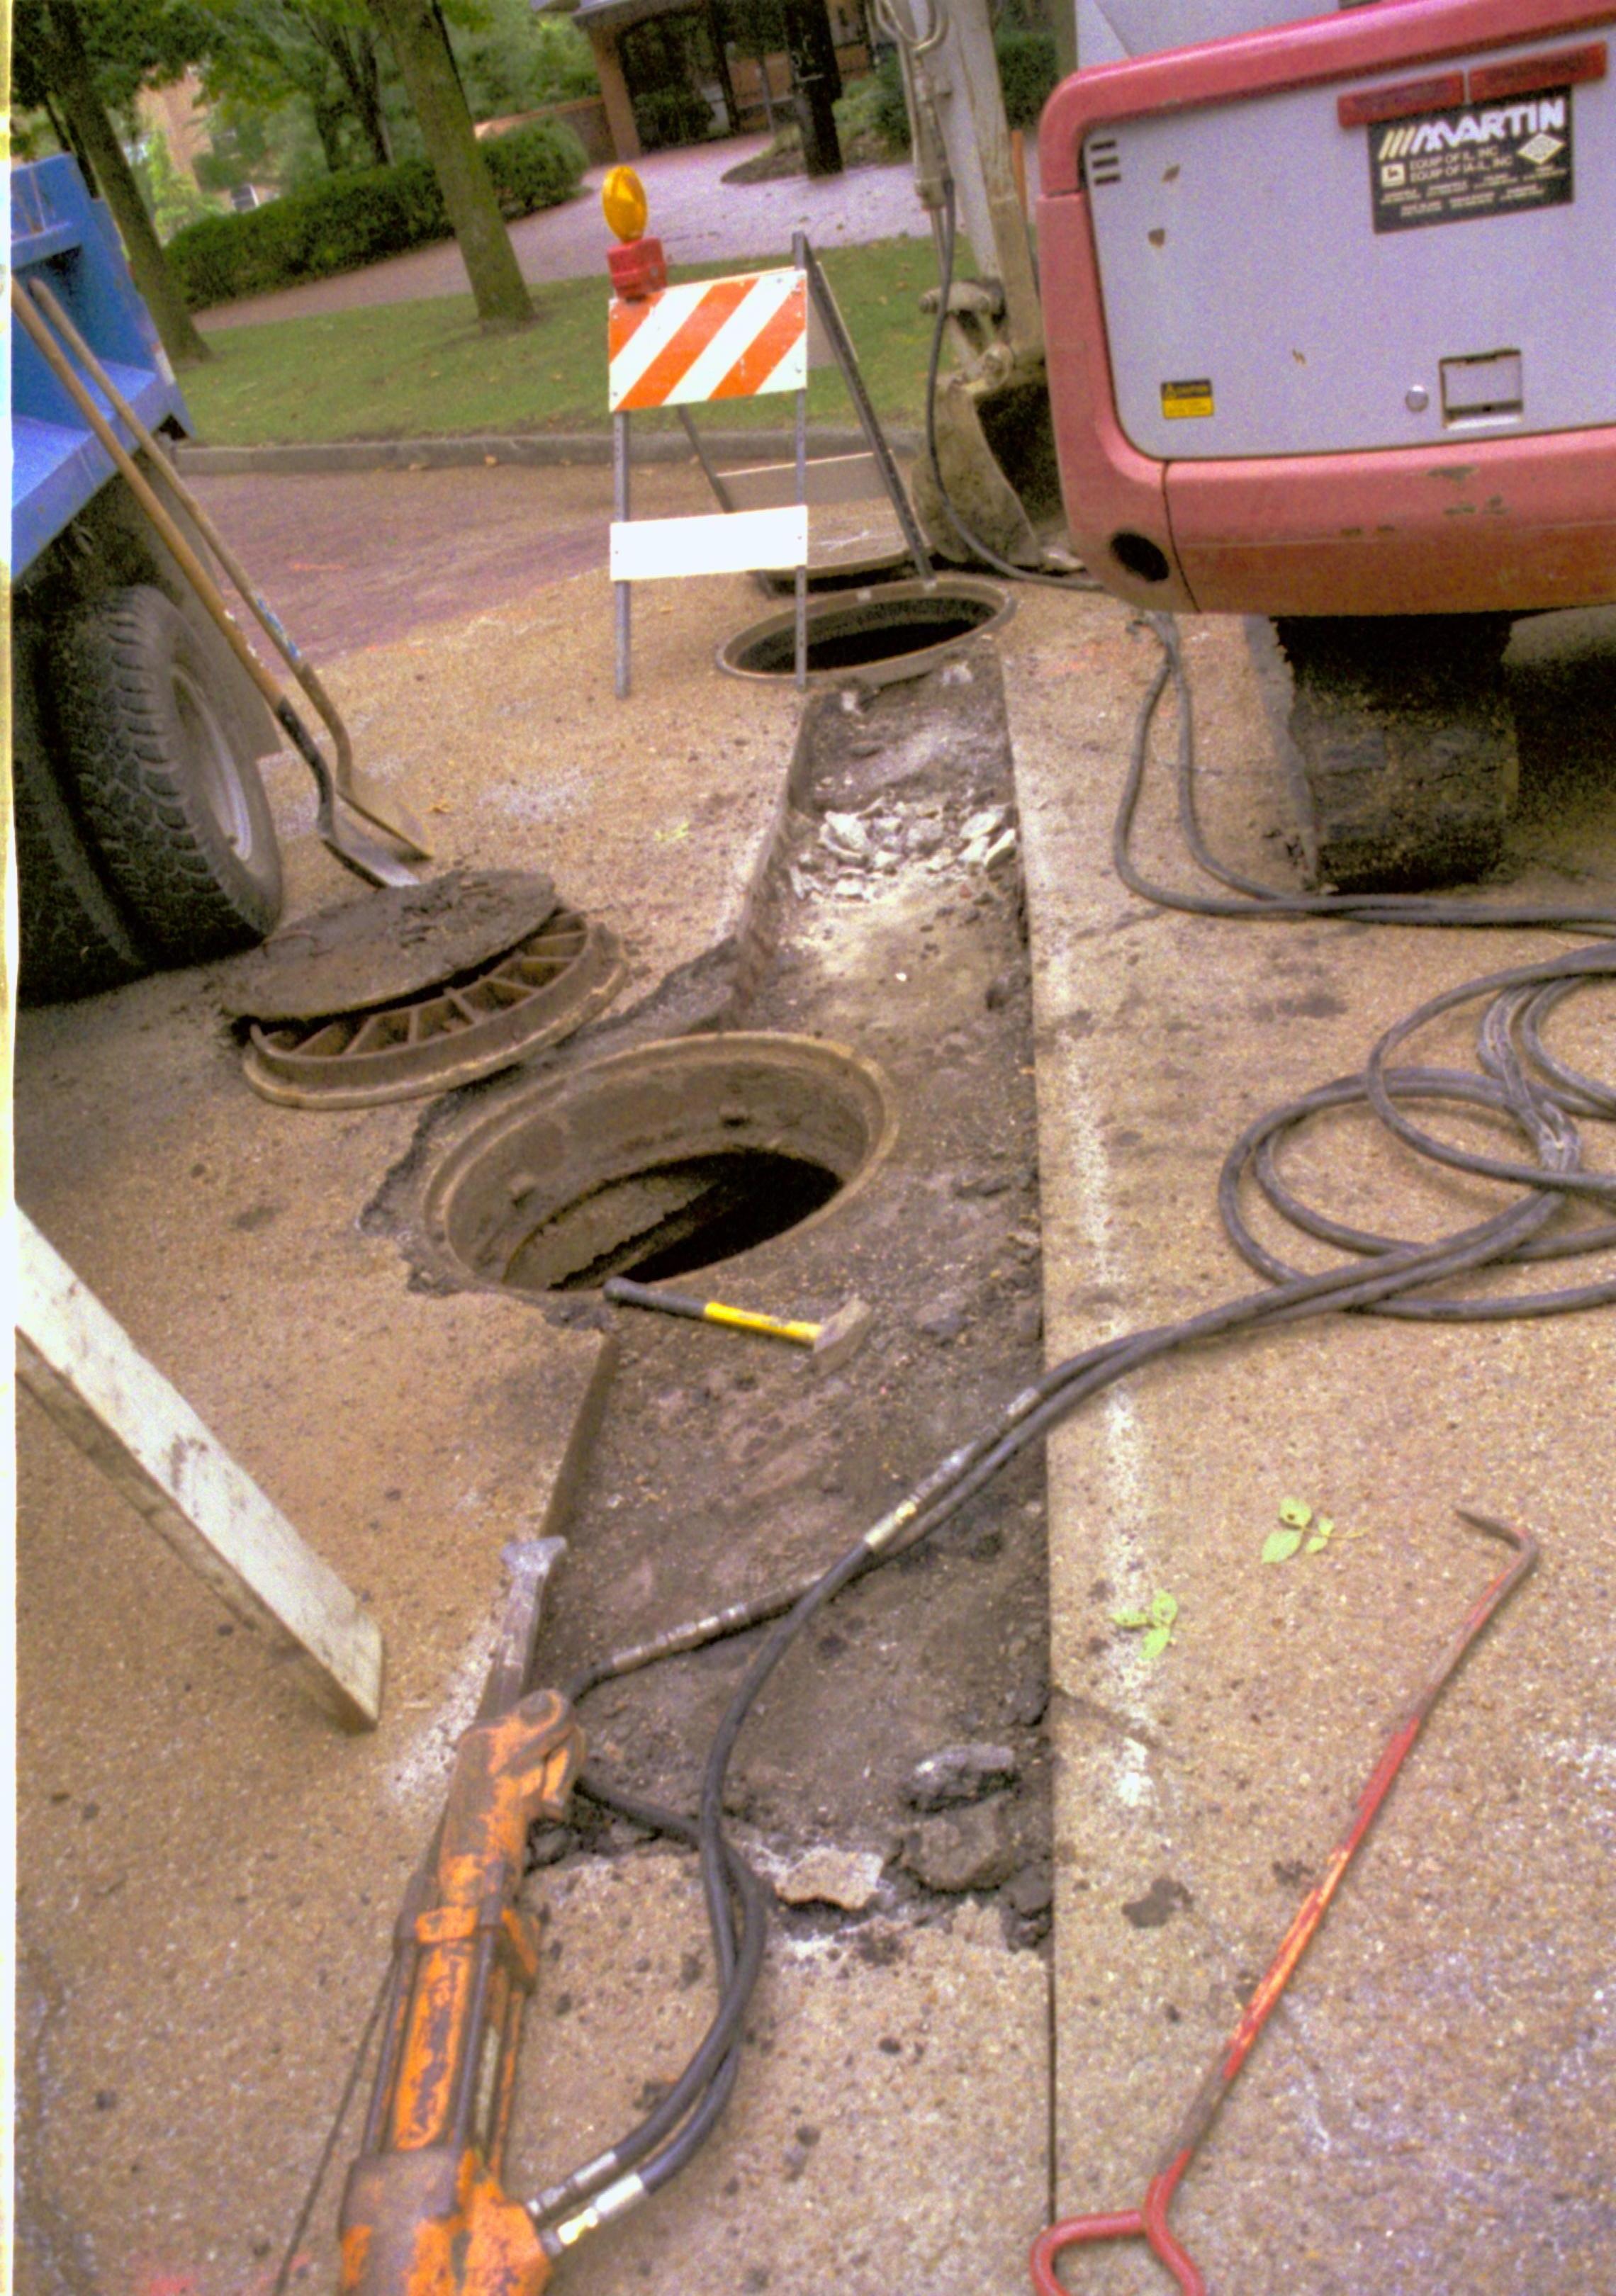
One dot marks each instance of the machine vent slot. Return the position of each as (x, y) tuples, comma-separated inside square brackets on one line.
[(1101, 161)]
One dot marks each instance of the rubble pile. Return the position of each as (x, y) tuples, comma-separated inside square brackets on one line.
[(854, 851)]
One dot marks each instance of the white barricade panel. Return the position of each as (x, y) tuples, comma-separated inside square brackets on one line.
[(727, 542)]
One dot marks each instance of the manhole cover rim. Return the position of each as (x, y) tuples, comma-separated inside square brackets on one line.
[(478, 913), (830, 607), (555, 1008), (829, 577), (838, 1062)]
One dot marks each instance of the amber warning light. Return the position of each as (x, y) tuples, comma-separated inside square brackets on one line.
[(637, 264)]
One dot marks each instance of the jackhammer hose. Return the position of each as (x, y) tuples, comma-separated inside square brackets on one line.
[(710, 2075), (1521, 1082)]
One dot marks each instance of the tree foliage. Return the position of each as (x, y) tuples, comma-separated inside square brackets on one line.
[(131, 44), (84, 60), (321, 52), (173, 199)]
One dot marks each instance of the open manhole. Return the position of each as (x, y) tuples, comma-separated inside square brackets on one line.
[(832, 573), (399, 996), (658, 1161), (873, 637)]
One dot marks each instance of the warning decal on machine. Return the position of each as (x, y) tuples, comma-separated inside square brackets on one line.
[(1194, 398), (1481, 159)]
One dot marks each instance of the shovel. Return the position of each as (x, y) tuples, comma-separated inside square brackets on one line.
[(351, 844)]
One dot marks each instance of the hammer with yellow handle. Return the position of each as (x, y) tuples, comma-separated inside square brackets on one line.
[(829, 1343)]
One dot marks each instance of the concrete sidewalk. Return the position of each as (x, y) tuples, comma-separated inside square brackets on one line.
[(1431, 2107), (210, 1870), (698, 217)]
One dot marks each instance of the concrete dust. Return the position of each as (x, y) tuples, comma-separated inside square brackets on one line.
[(210, 1872), (888, 2127), (726, 1464)]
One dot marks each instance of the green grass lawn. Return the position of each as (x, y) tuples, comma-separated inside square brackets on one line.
[(424, 370)]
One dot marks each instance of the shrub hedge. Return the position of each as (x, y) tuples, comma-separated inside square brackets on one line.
[(669, 116), (1028, 73), (356, 218)]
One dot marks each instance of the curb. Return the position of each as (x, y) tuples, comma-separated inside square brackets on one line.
[(542, 450)]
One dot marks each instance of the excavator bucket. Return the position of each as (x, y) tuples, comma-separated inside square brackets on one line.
[(995, 450)]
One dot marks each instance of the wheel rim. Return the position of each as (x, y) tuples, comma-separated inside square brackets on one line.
[(218, 780)]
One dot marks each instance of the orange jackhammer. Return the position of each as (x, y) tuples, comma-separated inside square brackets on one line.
[(425, 2213)]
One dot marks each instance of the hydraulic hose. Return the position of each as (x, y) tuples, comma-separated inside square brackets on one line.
[(1377, 1277)]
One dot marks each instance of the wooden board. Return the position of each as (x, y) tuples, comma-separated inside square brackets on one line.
[(143, 1435)]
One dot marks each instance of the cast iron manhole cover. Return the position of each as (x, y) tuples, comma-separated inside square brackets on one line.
[(445, 1032), (386, 946)]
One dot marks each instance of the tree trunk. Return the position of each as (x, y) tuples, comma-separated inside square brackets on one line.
[(714, 33), (352, 51), (428, 73), (68, 65), (328, 116), (818, 78), (62, 127), (368, 95)]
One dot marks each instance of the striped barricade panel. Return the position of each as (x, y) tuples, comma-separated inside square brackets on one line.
[(714, 338)]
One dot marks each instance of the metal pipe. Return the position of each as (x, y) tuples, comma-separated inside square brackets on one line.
[(620, 599)]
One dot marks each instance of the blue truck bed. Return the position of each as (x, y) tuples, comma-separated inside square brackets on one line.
[(59, 231)]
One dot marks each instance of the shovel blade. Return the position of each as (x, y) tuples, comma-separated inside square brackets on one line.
[(387, 809), (363, 854)]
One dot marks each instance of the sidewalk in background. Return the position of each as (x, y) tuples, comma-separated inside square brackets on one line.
[(698, 219)]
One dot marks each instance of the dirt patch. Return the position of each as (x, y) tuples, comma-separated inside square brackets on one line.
[(889, 922), (727, 1465)]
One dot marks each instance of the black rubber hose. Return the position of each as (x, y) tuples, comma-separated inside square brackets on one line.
[(715, 2059), (1258, 902), (1382, 1271)]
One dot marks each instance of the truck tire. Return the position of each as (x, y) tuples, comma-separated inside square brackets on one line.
[(1403, 747), (177, 814), (72, 940)]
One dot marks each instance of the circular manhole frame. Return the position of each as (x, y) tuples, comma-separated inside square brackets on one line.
[(546, 1149), (828, 575), (842, 621), (452, 1033)]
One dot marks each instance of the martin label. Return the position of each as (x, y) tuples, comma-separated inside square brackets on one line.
[(1481, 159)]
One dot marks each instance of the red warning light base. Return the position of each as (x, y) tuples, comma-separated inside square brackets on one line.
[(638, 269)]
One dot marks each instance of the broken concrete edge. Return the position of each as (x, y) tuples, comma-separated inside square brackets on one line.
[(540, 449), (551, 1519), (760, 876)]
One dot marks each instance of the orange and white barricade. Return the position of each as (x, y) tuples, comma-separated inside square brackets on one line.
[(689, 346)]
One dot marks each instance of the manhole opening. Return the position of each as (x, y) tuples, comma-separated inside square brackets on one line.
[(655, 1162), (671, 1220), (874, 636), (876, 630)]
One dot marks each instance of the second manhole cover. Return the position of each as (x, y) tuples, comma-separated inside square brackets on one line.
[(450, 1031), (387, 945)]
